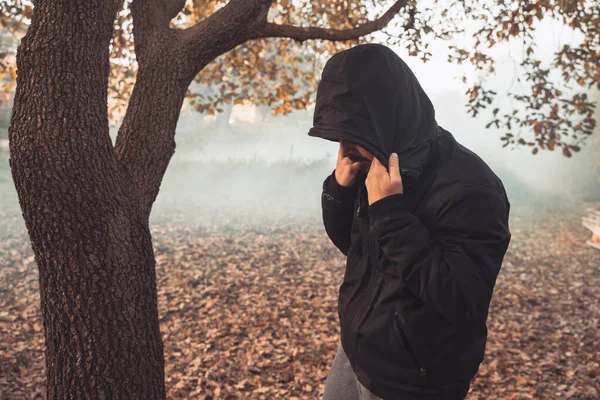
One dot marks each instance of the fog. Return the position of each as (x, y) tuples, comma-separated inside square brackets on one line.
[(258, 168), (251, 170), (273, 168), (265, 168)]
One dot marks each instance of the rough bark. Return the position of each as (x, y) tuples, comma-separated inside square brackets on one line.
[(89, 235), (146, 140)]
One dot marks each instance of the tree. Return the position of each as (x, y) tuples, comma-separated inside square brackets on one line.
[(551, 99), (86, 204)]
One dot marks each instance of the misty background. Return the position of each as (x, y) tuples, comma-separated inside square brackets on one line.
[(260, 168), (246, 165)]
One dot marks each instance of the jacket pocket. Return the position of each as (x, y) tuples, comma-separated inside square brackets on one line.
[(409, 348)]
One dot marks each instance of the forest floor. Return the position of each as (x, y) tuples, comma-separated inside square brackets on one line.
[(249, 312)]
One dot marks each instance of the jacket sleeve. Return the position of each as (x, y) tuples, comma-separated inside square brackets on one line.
[(454, 267), (337, 202)]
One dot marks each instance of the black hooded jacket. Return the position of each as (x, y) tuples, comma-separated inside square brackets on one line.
[(421, 266)]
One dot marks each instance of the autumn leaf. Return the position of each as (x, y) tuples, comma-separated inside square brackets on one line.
[(249, 311)]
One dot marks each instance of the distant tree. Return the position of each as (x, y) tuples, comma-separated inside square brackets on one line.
[(86, 203)]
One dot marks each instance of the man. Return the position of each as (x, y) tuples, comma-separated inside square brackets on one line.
[(424, 225)]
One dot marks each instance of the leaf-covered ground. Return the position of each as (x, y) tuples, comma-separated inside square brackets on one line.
[(249, 312)]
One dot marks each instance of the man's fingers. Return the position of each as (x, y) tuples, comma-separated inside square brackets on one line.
[(394, 168), (381, 183), (353, 165), (345, 148), (339, 156), (343, 155), (375, 166)]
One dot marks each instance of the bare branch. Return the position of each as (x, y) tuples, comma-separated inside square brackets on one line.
[(225, 29), (307, 33)]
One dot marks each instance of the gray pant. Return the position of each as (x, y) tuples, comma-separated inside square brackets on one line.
[(341, 382)]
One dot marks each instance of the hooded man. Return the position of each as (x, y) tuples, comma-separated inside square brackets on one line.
[(423, 222)]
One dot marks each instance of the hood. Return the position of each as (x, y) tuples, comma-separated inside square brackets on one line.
[(370, 97)]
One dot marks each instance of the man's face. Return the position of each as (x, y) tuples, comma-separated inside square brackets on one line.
[(357, 154)]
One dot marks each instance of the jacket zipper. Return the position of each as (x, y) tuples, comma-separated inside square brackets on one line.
[(365, 292), (369, 285), (412, 354)]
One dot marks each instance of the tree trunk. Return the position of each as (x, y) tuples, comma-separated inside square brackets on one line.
[(88, 229), (148, 130), (86, 204)]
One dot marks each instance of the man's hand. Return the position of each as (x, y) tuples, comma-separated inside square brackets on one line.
[(346, 170), (381, 183)]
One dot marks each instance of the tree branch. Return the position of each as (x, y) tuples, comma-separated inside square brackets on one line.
[(302, 34), (222, 31)]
